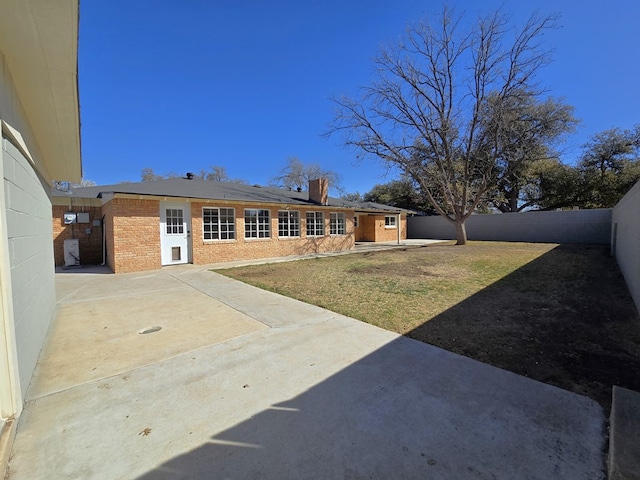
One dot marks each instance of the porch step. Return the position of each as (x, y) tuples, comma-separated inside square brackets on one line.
[(624, 436)]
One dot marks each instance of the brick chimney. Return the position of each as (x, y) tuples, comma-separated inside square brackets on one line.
[(319, 191)]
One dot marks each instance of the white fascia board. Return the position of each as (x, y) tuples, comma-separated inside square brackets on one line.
[(39, 42)]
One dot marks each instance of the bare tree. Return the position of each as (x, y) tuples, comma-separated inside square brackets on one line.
[(423, 113), (148, 175), (214, 173), (296, 175)]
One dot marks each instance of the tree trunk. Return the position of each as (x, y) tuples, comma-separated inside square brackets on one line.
[(461, 233), (513, 202)]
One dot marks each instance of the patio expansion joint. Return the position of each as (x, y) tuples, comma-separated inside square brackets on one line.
[(224, 302), (125, 371), (66, 301)]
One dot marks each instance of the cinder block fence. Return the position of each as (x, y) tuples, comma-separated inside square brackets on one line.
[(570, 226)]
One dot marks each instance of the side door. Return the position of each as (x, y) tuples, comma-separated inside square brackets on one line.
[(175, 233)]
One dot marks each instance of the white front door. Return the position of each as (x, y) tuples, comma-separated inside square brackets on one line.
[(175, 233)]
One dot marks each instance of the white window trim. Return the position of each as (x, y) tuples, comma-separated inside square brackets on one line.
[(221, 240), (286, 237), (324, 229), (344, 224), (257, 237), (395, 222)]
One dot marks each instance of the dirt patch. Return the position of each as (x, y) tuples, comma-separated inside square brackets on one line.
[(560, 314)]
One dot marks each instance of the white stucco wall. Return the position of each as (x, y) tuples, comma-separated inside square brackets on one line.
[(625, 239), (29, 234)]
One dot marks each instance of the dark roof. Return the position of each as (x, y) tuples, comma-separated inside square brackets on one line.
[(207, 189)]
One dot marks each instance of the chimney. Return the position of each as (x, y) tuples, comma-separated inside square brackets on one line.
[(319, 191)]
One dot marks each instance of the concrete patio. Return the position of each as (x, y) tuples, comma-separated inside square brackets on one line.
[(243, 383)]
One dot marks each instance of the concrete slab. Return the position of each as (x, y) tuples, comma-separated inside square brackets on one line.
[(97, 330), (317, 395), (624, 437)]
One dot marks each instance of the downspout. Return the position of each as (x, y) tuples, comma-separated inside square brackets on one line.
[(104, 242), (399, 227)]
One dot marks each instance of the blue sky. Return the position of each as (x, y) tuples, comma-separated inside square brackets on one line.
[(181, 85)]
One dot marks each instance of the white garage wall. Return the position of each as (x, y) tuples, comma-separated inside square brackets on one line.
[(625, 239), (29, 233)]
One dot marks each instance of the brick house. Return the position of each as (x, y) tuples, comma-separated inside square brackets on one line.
[(143, 226)]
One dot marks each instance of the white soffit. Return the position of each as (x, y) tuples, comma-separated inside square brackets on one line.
[(39, 40)]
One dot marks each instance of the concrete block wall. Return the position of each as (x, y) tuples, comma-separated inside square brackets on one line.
[(90, 243), (625, 239), (213, 251), (570, 226), (29, 232)]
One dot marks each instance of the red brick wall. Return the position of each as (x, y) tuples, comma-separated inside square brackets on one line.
[(372, 229), (319, 191), (389, 234), (90, 243), (132, 229), (133, 233), (367, 228), (213, 251), (107, 211)]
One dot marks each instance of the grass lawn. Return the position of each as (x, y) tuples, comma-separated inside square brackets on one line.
[(560, 314)]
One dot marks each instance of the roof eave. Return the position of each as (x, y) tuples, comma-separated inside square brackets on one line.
[(39, 43)]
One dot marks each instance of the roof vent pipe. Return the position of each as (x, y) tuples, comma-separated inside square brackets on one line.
[(190, 176)]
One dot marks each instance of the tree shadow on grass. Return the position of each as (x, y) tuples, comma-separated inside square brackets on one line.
[(566, 319)]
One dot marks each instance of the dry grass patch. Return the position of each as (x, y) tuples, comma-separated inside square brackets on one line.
[(394, 289)]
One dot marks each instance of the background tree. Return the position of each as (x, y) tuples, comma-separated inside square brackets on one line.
[(400, 193), (424, 112), (352, 197), (297, 174), (215, 173), (552, 185), (148, 175), (527, 130), (610, 166)]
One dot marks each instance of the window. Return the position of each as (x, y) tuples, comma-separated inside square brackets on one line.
[(175, 221), (288, 223), (257, 223), (355, 221), (389, 221), (337, 224), (218, 223), (315, 224)]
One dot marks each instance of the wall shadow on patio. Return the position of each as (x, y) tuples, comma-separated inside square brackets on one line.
[(406, 410), (594, 345)]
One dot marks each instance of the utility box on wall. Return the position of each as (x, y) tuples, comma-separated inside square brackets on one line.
[(71, 253), (69, 217)]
